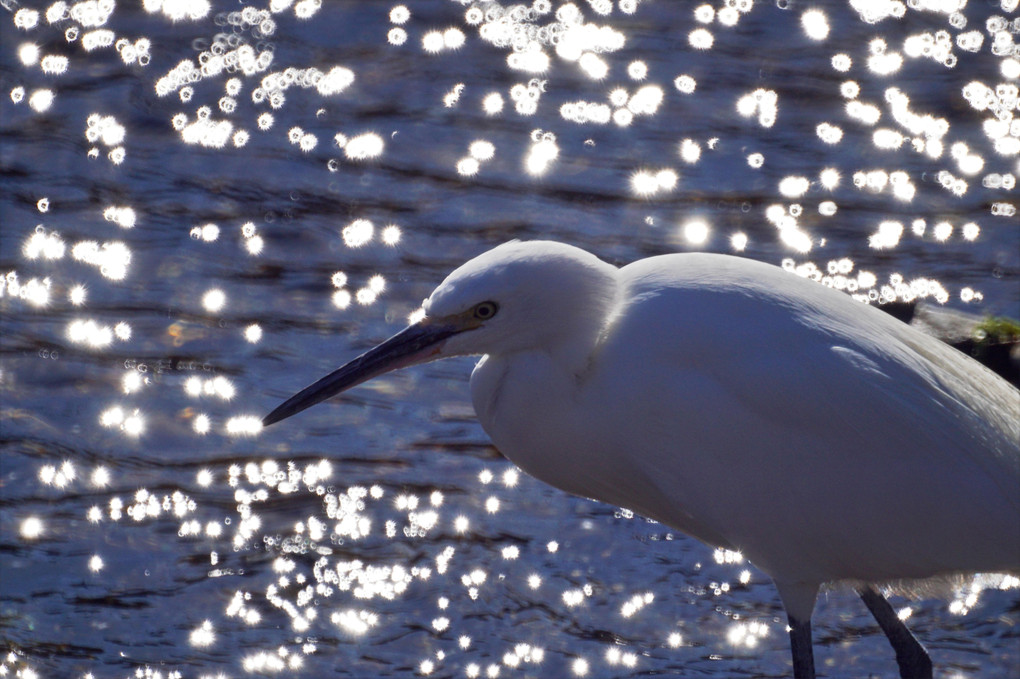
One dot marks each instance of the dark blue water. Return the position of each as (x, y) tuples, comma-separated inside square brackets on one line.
[(144, 535)]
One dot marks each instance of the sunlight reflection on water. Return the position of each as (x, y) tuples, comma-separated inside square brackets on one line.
[(209, 203)]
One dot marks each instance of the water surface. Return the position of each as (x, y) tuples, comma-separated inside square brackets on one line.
[(181, 253)]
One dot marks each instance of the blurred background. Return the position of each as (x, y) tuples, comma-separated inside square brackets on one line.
[(207, 205)]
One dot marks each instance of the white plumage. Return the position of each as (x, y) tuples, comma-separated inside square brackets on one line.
[(738, 403)]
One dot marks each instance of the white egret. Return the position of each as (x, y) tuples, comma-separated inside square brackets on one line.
[(740, 404)]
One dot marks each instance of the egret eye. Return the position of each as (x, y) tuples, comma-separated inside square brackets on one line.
[(485, 310)]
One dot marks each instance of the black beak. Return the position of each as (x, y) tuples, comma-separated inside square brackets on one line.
[(415, 344)]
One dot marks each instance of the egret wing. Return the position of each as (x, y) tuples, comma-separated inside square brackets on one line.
[(791, 420)]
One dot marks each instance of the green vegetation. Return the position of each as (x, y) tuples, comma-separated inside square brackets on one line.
[(997, 330)]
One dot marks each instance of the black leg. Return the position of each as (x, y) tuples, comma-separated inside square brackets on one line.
[(800, 644), (910, 654)]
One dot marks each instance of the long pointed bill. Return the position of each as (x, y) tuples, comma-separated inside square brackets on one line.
[(418, 343)]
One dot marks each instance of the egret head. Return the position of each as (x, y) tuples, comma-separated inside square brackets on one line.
[(520, 296), (516, 297)]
